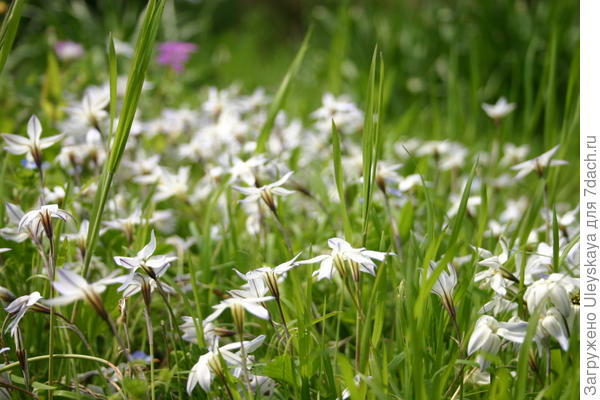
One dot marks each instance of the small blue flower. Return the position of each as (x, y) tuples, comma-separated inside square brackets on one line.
[(28, 164), (31, 165), (395, 192), (139, 355)]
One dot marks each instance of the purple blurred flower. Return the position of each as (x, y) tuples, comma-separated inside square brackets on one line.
[(67, 50), (175, 54)]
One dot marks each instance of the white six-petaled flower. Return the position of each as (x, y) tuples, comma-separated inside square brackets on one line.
[(91, 111), (552, 324), (12, 232), (496, 275), (538, 164), (251, 304), (270, 275), (499, 110), (445, 283), (266, 192), (488, 334), (361, 259), (73, 287), (209, 364), (556, 289), (152, 265), (31, 145), (41, 218), (19, 307)]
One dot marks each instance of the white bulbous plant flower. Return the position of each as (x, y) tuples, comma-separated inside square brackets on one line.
[(91, 111), (254, 287), (496, 275), (498, 110), (488, 335), (552, 324), (444, 286), (266, 192), (33, 144), (513, 154), (209, 365), (19, 307), (243, 171), (238, 304), (271, 275), (73, 287), (360, 260), (79, 238), (11, 231), (152, 265), (204, 371), (556, 289), (538, 164), (126, 224), (171, 184), (184, 163), (347, 116), (144, 284), (498, 305), (41, 218), (211, 332), (435, 148)]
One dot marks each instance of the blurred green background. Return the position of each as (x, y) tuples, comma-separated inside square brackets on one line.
[(443, 58)]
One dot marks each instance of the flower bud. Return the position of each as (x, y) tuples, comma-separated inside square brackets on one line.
[(238, 314)]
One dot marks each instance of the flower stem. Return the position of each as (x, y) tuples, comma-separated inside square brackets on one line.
[(171, 313), (548, 214), (394, 225), (65, 356), (99, 308), (283, 232), (51, 273), (548, 364), (22, 356), (285, 327), (226, 385), (359, 322), (151, 345), (42, 185), (283, 322), (244, 362)]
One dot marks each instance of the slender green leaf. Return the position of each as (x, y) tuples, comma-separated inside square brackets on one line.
[(8, 30), (339, 179), (135, 81), (112, 79), (371, 143), (281, 95)]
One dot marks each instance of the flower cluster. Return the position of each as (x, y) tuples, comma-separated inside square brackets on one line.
[(194, 197)]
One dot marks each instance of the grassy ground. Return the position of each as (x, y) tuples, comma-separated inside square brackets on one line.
[(423, 173)]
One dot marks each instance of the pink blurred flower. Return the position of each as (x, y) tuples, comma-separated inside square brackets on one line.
[(67, 50), (175, 54)]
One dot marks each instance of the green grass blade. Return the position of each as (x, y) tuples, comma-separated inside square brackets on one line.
[(371, 143), (338, 48), (522, 364), (112, 79), (451, 248), (282, 93), (555, 241), (8, 30), (339, 179), (460, 215), (135, 80)]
